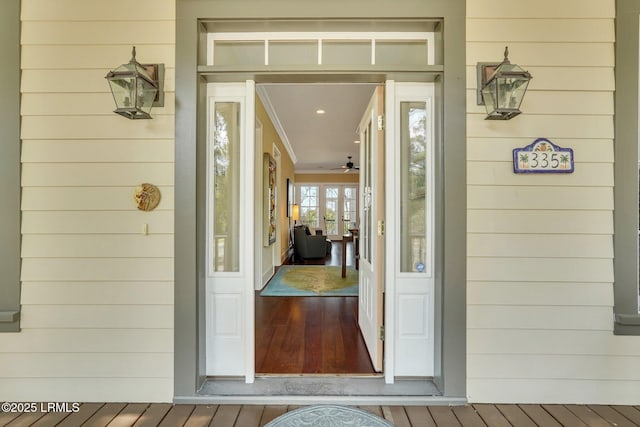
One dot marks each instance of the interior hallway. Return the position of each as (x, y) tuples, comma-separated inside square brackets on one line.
[(311, 335)]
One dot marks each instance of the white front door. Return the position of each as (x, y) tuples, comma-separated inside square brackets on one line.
[(370, 229), (230, 233), (410, 269)]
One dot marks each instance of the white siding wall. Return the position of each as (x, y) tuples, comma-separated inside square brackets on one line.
[(97, 294), (540, 248)]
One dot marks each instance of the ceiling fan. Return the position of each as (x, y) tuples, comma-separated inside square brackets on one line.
[(348, 166)]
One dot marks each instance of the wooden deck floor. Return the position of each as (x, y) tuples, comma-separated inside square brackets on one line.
[(141, 414)]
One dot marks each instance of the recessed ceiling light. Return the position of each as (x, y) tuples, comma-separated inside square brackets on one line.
[(320, 111), (357, 141)]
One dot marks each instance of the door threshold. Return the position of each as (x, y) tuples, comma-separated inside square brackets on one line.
[(323, 375), (318, 386)]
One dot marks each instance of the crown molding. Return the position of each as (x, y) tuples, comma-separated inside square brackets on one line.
[(266, 102)]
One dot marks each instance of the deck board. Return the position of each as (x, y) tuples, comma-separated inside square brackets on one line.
[(201, 416), (516, 416), (375, 410), (51, 419), (271, 413), (85, 412), (631, 413), (444, 417), (587, 415), (226, 416), (7, 417), (476, 415), (26, 419), (104, 415), (129, 415), (419, 416), (399, 416), (612, 416), (153, 416), (491, 415), (468, 416), (539, 415), (250, 415), (177, 416), (564, 416)]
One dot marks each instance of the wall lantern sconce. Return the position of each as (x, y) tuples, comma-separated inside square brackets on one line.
[(136, 88), (501, 88)]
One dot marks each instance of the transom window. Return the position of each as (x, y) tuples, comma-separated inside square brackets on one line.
[(320, 48)]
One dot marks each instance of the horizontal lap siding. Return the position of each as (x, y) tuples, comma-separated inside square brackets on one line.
[(540, 247), (97, 291)]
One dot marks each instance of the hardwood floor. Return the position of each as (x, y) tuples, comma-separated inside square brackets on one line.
[(310, 335)]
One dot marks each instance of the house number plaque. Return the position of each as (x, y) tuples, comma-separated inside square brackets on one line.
[(542, 156)]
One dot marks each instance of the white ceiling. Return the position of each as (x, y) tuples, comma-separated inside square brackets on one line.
[(321, 143)]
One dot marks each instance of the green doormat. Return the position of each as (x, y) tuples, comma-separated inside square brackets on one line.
[(312, 280)]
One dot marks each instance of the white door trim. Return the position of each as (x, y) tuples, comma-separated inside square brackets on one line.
[(241, 285), (249, 176), (391, 218)]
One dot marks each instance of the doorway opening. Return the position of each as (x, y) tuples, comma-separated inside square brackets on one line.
[(326, 132), (405, 167)]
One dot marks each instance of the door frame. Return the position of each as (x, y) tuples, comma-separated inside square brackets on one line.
[(192, 75), (385, 269)]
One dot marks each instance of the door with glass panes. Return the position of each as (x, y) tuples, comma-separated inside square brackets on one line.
[(330, 208)]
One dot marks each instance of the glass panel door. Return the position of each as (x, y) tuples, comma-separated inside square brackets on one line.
[(349, 209), (225, 181), (413, 184), (331, 211), (310, 205)]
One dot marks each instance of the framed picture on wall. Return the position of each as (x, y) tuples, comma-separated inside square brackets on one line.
[(290, 197), (269, 200)]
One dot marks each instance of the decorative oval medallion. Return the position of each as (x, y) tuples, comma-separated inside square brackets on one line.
[(146, 196)]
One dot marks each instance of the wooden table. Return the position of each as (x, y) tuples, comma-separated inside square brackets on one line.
[(356, 245), (350, 237)]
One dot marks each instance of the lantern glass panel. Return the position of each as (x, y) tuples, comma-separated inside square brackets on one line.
[(122, 90), (511, 92), (146, 93), (488, 95)]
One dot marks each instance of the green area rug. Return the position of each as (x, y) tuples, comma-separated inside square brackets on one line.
[(312, 280)]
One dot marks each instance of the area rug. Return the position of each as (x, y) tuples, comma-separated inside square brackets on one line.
[(312, 280)]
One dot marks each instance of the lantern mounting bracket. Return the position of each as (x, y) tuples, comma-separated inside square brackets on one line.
[(156, 72), (484, 70)]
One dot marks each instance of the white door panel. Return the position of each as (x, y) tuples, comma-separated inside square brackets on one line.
[(230, 232), (371, 242), (410, 217)]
